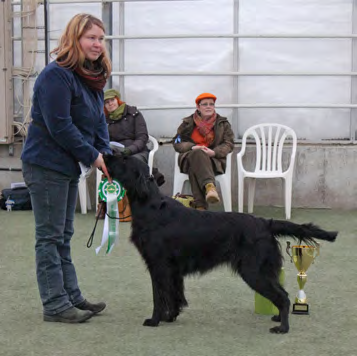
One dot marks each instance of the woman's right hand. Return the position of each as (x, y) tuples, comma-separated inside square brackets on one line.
[(100, 164)]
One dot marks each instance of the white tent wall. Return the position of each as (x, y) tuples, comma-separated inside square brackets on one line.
[(318, 107)]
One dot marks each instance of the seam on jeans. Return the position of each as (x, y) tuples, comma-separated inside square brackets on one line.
[(49, 289)]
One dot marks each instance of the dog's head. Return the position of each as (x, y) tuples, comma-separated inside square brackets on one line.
[(132, 173)]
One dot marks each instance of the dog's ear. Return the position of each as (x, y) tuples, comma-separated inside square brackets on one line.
[(142, 187), (113, 163), (106, 155), (163, 203)]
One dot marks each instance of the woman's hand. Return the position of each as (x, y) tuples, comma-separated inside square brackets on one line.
[(99, 163), (209, 152)]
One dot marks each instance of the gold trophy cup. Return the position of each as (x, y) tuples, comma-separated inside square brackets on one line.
[(302, 256)]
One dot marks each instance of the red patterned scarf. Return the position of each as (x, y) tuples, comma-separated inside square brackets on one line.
[(205, 126), (93, 77)]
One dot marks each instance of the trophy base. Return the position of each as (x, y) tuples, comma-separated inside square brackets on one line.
[(301, 309)]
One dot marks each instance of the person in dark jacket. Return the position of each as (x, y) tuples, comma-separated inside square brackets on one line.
[(127, 127), (68, 126), (203, 140)]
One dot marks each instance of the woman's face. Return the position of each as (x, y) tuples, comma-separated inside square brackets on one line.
[(92, 43), (111, 104), (206, 107)]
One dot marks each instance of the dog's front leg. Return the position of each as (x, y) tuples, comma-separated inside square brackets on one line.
[(156, 314)]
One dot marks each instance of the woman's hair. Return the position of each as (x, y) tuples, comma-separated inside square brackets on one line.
[(69, 52)]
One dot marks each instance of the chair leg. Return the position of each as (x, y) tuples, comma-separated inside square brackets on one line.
[(179, 184), (287, 196), (98, 180), (226, 196), (251, 194), (240, 193), (89, 203), (82, 192)]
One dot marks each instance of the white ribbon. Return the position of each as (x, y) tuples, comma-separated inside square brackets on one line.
[(111, 225)]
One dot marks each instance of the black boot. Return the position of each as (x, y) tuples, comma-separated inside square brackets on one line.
[(71, 315)]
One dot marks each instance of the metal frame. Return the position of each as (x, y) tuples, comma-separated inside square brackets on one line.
[(6, 87), (235, 74)]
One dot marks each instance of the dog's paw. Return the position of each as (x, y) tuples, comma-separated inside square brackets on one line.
[(279, 330), (170, 319), (150, 322), (276, 318)]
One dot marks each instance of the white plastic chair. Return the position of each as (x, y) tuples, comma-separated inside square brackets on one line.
[(224, 181), (155, 147), (270, 140), (83, 193)]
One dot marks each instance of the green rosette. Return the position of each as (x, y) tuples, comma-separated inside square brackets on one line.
[(115, 187)]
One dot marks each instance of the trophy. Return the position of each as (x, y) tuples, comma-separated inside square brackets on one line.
[(302, 256)]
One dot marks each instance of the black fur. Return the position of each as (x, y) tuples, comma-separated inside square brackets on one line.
[(176, 241)]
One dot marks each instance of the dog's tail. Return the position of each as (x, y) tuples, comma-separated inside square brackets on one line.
[(304, 232)]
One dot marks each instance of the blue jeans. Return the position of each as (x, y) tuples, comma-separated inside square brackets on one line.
[(54, 198)]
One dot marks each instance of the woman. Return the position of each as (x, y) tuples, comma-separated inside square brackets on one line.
[(68, 127), (126, 126), (203, 140)]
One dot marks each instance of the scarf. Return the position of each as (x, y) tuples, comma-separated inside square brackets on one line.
[(118, 112), (93, 75), (205, 126)]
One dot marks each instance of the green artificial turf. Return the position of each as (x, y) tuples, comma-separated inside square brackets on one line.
[(220, 319)]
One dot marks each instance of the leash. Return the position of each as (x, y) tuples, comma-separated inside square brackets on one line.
[(91, 237)]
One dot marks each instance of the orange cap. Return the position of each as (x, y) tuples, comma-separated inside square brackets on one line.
[(205, 96)]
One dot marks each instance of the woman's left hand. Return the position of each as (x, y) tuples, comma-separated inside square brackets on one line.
[(99, 163), (210, 152)]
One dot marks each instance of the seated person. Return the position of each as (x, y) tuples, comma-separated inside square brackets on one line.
[(203, 140), (126, 125)]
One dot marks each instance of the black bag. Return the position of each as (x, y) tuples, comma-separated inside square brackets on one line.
[(20, 197)]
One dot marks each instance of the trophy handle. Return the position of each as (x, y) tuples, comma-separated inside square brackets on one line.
[(317, 251), (287, 250)]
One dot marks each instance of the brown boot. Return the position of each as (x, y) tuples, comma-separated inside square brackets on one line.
[(211, 194), (101, 210)]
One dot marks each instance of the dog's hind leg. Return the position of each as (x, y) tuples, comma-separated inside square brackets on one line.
[(269, 287), (277, 318), (279, 297), (281, 300)]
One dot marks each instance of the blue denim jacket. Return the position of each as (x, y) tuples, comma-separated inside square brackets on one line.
[(68, 122)]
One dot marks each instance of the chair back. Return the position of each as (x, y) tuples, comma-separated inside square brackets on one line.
[(155, 147), (269, 141)]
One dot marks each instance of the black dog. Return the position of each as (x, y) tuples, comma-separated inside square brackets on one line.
[(176, 241)]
